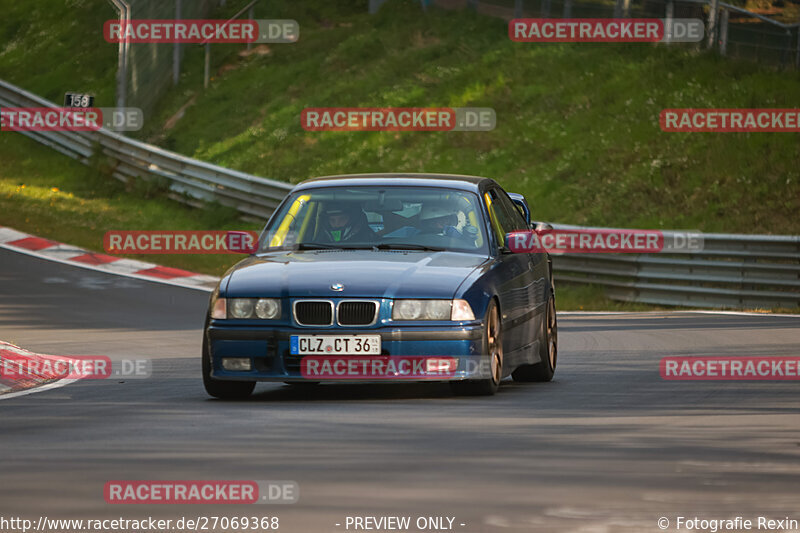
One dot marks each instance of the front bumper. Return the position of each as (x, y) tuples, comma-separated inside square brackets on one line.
[(271, 360)]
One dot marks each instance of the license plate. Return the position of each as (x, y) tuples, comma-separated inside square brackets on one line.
[(335, 344)]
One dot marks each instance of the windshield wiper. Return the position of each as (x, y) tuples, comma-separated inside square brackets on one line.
[(323, 246), (408, 246), (315, 246)]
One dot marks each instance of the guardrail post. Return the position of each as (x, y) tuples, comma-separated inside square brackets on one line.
[(622, 8), (545, 9), (251, 15), (567, 9), (207, 69), (723, 32), (797, 57), (124, 8), (176, 49), (670, 13), (518, 8), (712, 23)]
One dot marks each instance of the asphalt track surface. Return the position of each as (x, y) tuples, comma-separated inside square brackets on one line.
[(607, 446)]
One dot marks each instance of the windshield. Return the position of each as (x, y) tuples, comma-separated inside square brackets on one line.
[(372, 217)]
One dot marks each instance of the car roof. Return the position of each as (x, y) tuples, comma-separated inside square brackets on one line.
[(450, 181)]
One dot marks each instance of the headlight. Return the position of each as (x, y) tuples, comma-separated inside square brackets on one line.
[(421, 310), (263, 308), (268, 308), (241, 307)]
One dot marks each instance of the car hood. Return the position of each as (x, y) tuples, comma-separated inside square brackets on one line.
[(363, 273)]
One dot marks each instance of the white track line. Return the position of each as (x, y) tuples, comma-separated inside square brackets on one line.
[(174, 282), (687, 312), (37, 388), (41, 388)]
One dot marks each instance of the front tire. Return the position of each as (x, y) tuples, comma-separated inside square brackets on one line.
[(224, 390), (548, 350), (493, 346)]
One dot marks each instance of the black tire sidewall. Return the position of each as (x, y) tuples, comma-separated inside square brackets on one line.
[(544, 352)]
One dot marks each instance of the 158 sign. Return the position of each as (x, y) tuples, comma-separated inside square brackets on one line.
[(78, 100)]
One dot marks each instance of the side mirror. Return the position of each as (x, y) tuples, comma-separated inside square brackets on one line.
[(540, 226), (522, 206), (527, 241), (515, 242), (241, 242)]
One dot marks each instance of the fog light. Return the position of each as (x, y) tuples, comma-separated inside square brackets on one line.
[(236, 364)]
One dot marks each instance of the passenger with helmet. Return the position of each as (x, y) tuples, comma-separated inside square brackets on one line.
[(437, 219), (434, 218)]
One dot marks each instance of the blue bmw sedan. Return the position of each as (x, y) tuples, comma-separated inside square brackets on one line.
[(385, 277)]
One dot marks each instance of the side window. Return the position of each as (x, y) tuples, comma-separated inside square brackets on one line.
[(513, 210), (502, 214)]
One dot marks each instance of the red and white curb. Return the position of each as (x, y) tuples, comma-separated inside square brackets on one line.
[(30, 380), (18, 241)]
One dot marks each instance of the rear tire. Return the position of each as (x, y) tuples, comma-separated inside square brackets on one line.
[(548, 350), (224, 390), (493, 346)]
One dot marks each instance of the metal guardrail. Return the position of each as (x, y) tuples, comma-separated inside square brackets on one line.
[(731, 271), (736, 271), (189, 180)]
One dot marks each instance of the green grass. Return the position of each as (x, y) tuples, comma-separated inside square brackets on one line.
[(577, 125), (51, 47), (575, 297), (47, 194)]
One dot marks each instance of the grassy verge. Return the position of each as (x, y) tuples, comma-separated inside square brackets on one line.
[(575, 297), (47, 194)]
